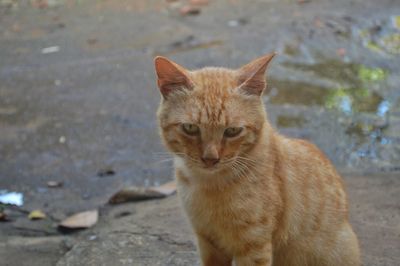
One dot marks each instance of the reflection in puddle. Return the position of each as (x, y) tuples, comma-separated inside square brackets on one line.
[(14, 198), (347, 100), (354, 90), (383, 108), (351, 95), (364, 130), (367, 136), (341, 72), (382, 36)]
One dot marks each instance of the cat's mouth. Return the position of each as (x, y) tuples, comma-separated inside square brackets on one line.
[(215, 167), (207, 165), (210, 167)]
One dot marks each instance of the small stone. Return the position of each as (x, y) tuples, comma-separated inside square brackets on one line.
[(233, 23), (81, 220), (62, 139), (54, 184), (50, 50)]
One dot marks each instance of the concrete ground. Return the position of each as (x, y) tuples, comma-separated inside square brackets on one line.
[(156, 232), (78, 98)]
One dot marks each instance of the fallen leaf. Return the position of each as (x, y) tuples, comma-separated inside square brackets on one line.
[(189, 10), (140, 193), (3, 217), (36, 215), (54, 184), (166, 189), (81, 220)]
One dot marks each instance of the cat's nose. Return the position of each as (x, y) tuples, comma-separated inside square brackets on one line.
[(210, 161)]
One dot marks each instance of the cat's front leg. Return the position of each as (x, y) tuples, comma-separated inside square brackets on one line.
[(211, 255), (256, 256)]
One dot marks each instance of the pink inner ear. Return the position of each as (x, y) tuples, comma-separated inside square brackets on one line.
[(168, 86), (254, 86), (252, 76), (171, 76)]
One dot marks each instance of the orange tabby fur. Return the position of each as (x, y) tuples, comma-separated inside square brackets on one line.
[(269, 200)]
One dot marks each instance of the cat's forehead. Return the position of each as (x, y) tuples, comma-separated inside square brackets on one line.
[(215, 80), (212, 96)]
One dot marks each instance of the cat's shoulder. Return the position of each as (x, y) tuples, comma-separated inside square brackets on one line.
[(303, 149)]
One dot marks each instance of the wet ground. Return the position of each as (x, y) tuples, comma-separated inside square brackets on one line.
[(78, 95)]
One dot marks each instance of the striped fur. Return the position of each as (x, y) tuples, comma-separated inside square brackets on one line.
[(270, 200)]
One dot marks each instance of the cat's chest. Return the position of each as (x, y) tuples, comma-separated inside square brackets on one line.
[(227, 218), (217, 209)]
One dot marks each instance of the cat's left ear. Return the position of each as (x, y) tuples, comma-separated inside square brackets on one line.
[(252, 76), (171, 76)]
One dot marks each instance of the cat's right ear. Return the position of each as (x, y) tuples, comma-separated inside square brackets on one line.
[(171, 76)]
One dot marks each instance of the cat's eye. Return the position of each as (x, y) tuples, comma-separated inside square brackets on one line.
[(191, 129), (231, 132)]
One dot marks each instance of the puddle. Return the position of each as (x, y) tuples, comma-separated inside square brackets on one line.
[(290, 121), (13, 198), (343, 73), (355, 92), (382, 36), (352, 93), (346, 100), (368, 139)]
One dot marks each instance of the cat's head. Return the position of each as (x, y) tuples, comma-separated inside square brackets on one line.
[(213, 116)]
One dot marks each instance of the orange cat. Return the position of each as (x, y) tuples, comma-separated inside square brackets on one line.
[(251, 195)]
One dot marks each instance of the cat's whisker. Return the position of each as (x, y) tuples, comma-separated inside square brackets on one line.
[(241, 167), (162, 161)]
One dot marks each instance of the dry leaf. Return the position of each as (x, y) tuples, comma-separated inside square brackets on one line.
[(3, 217), (139, 193), (166, 189), (81, 220), (36, 215), (189, 10)]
